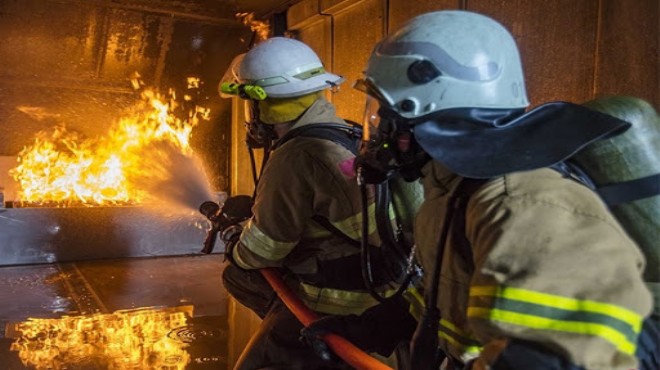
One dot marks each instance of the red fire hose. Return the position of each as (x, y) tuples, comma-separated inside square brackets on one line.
[(341, 347)]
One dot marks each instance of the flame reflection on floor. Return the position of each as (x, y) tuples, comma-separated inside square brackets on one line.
[(127, 339)]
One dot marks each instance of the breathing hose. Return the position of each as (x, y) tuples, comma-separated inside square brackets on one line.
[(365, 255), (424, 344)]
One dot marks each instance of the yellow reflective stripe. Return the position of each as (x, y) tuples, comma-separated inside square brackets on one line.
[(260, 244), (472, 350), (352, 226), (414, 297), (537, 322), (314, 231), (454, 328), (236, 254), (416, 306), (630, 317), (336, 301)]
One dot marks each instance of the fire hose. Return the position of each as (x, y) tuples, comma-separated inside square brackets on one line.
[(348, 352), (222, 222)]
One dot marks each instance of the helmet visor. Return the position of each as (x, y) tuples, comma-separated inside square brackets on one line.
[(366, 86), (371, 119)]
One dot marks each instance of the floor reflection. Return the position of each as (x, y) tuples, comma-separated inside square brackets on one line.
[(131, 339), (182, 327)]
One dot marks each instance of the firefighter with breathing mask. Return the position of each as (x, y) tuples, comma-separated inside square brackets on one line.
[(307, 207), (524, 265)]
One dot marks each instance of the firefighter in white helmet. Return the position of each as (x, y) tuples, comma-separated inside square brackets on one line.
[(524, 266), (307, 208)]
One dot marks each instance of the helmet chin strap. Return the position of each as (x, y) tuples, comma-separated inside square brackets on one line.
[(258, 136)]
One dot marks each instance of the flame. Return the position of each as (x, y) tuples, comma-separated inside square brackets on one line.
[(133, 339), (63, 168), (261, 28)]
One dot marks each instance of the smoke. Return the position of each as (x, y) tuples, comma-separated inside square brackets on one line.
[(167, 175)]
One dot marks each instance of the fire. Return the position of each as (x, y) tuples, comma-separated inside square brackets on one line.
[(261, 28), (133, 339), (62, 168)]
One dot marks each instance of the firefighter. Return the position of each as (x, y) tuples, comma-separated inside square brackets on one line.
[(524, 266), (306, 183)]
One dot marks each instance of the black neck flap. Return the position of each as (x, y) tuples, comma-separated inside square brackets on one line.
[(539, 138)]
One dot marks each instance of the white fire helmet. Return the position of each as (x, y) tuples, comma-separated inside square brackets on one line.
[(444, 60), (285, 68)]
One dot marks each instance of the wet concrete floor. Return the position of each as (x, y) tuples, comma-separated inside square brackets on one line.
[(138, 313)]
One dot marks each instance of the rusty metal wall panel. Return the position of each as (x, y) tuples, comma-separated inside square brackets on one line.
[(132, 44), (299, 14), (50, 53), (356, 30), (556, 41), (402, 10), (318, 35), (629, 50), (68, 63), (205, 51), (62, 47)]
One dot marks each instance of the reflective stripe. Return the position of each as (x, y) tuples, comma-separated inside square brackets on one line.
[(458, 338), (521, 307), (260, 244), (236, 254), (314, 231), (352, 226), (565, 303), (447, 330), (336, 301), (414, 297)]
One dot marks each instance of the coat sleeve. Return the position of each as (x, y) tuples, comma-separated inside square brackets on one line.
[(556, 271), (281, 209)]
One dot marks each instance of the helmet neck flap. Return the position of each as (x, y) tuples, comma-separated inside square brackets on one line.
[(540, 138)]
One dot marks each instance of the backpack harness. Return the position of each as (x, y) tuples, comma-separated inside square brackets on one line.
[(374, 266)]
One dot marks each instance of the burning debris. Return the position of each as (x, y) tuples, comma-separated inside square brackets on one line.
[(140, 152)]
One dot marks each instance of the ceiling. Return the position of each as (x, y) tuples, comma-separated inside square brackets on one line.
[(263, 8)]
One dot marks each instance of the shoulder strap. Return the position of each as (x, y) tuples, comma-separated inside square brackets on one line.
[(466, 188), (335, 231), (616, 193), (348, 136)]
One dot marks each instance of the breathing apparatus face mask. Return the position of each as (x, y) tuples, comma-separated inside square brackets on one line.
[(391, 147), (258, 134)]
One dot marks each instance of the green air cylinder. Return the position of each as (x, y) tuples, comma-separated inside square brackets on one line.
[(632, 155), (407, 197)]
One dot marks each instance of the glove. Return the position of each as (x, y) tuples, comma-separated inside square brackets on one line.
[(379, 329), (231, 237)]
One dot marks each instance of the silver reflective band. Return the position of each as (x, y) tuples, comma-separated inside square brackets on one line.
[(270, 81), (442, 60), (300, 73)]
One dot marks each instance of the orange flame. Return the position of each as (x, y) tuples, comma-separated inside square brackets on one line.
[(132, 339), (261, 28), (61, 168)]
